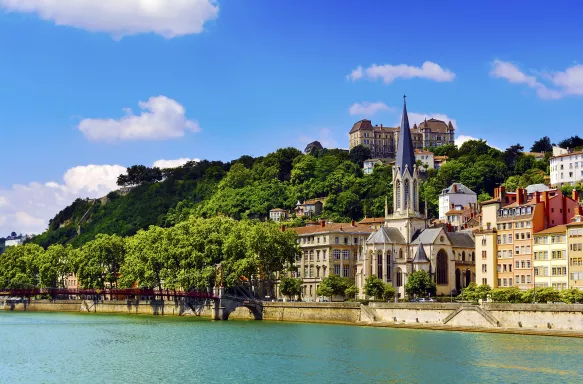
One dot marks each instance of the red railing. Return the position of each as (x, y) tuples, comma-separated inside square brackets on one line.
[(110, 292)]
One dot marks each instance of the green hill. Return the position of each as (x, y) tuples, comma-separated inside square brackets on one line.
[(249, 187)]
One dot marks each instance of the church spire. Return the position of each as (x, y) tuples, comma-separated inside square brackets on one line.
[(405, 150)]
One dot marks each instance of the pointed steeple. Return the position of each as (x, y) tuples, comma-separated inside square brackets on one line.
[(405, 151), (420, 256)]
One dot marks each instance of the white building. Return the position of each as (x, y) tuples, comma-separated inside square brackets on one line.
[(13, 241), (278, 214), (426, 158), (456, 195), (566, 167)]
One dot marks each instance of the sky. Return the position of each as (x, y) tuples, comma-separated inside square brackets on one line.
[(89, 87)]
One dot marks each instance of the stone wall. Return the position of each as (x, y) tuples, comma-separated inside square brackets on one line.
[(545, 316), (426, 313), (312, 312)]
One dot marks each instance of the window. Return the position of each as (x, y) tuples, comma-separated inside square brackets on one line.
[(324, 255), (345, 271), (336, 240), (346, 254), (484, 268), (484, 255), (336, 254), (337, 269)]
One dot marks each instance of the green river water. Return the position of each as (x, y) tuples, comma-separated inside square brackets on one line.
[(89, 348)]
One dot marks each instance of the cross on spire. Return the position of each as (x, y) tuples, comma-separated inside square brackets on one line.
[(405, 99)]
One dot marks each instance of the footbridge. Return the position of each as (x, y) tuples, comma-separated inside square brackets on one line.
[(221, 301)]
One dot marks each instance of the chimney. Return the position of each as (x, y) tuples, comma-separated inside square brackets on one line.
[(519, 196), (341, 227), (454, 187), (537, 197), (575, 195), (322, 223), (451, 206), (283, 228), (353, 224), (502, 191)]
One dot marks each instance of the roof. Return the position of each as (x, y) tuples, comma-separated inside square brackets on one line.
[(427, 236), (440, 157), (372, 220), (405, 153), (459, 188), (332, 227), (537, 188), (461, 239), (314, 201), (423, 152), (362, 124), (455, 212), (386, 235), (278, 210), (436, 125), (569, 154), (556, 229), (420, 256)]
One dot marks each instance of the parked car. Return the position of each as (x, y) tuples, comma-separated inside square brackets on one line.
[(424, 300)]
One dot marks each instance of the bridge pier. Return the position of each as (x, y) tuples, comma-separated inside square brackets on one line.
[(225, 305)]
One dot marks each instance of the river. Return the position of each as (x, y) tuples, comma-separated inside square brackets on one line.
[(89, 348)]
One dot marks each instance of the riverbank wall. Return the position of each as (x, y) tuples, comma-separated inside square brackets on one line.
[(548, 319)]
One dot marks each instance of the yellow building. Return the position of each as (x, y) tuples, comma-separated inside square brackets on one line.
[(550, 258), (575, 249)]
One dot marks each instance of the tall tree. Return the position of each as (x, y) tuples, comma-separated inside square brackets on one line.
[(542, 145), (359, 154), (419, 283)]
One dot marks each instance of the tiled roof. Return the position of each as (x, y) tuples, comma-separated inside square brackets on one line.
[(427, 236), (332, 227), (569, 154), (556, 229), (461, 239), (278, 210), (372, 220)]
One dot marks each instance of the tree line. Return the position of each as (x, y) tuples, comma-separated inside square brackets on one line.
[(179, 257)]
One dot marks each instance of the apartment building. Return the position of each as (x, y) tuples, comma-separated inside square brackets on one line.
[(575, 251), (453, 196), (514, 218), (328, 249), (550, 258), (566, 167)]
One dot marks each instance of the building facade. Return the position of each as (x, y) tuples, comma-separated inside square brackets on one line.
[(327, 248), (456, 195), (575, 251), (566, 167), (278, 215), (383, 141), (514, 218), (309, 208), (550, 258)]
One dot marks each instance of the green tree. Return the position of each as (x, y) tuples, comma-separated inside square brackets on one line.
[(389, 292), (474, 292), (375, 287), (542, 145), (54, 265), (359, 154), (351, 292), (572, 296), (546, 295), (290, 287), (334, 285), (419, 283)]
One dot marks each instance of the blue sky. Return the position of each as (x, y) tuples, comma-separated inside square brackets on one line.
[(234, 77)]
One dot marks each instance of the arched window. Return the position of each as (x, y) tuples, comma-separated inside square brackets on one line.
[(406, 193), (468, 277), (400, 253), (441, 268), (463, 256), (380, 265), (399, 277), (415, 194), (398, 194)]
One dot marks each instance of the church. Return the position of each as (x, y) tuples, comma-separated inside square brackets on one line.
[(406, 243)]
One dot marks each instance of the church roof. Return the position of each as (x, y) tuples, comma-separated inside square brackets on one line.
[(427, 236), (386, 235), (461, 239), (420, 256), (405, 151)]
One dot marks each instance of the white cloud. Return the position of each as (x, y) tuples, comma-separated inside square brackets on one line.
[(388, 73), (565, 83), (160, 118), (323, 135), (28, 208), (162, 164), (168, 18), (367, 109)]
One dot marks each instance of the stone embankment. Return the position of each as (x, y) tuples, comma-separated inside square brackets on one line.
[(533, 319)]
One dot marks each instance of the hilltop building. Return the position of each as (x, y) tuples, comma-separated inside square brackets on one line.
[(405, 243), (309, 208), (278, 214), (14, 240), (456, 195), (383, 141), (566, 167)]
